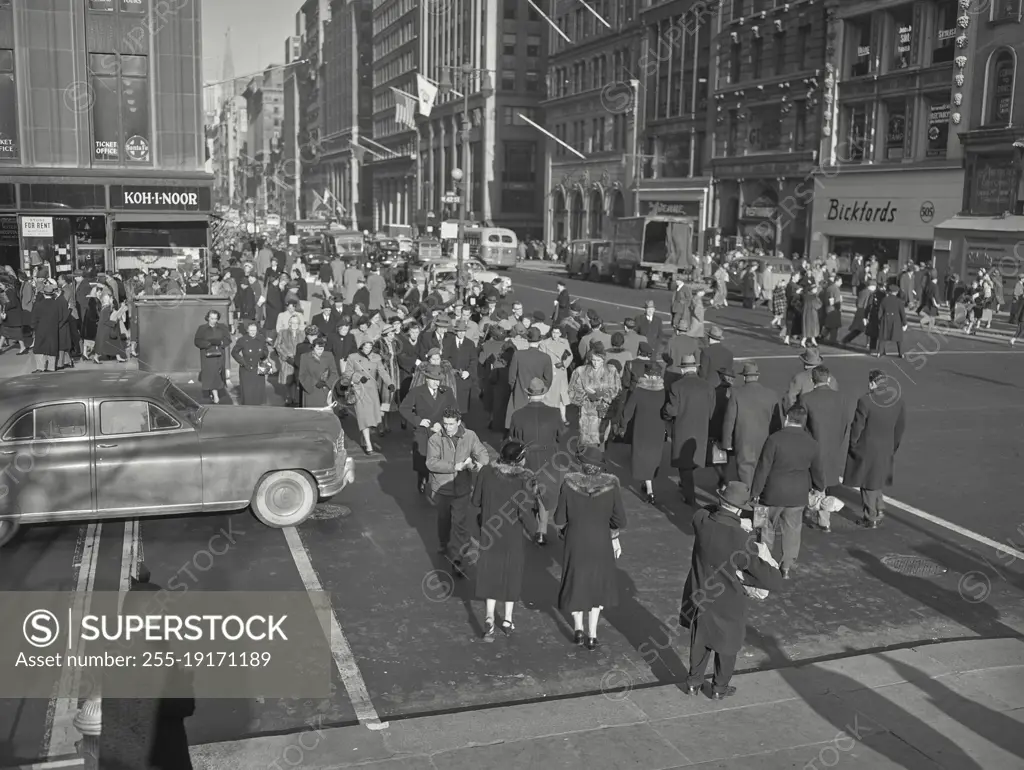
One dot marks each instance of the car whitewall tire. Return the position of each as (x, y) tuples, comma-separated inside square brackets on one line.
[(284, 498), (8, 531)]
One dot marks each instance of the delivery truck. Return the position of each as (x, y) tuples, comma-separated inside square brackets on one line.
[(641, 251)]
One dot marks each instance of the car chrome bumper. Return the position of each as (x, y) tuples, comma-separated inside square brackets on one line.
[(330, 482)]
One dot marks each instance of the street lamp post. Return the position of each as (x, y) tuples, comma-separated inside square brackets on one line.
[(465, 77)]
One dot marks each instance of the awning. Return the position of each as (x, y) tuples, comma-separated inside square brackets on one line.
[(1011, 224), (161, 216)]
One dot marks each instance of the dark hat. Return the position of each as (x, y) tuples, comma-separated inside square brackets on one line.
[(649, 303), (442, 322), (727, 371), (811, 357), (326, 304), (433, 372), (433, 352), (50, 287), (688, 361), (533, 334), (574, 305), (536, 387), (519, 330), (736, 494), (338, 299), (363, 321), (501, 314), (311, 330), (715, 332), (643, 349), (78, 274), (681, 324), (461, 326), (538, 315), (750, 369), (590, 455)]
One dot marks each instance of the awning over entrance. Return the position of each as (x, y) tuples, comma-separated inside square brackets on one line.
[(1011, 224)]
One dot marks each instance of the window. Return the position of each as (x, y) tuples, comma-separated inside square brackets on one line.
[(944, 45), (780, 53), (533, 45), (737, 9), (119, 418), (756, 55), (732, 145), (895, 130), (860, 55), (508, 80), (903, 28), (803, 43), (49, 422), (533, 81), (1006, 10), (991, 184), (510, 9), (120, 109), (520, 163), (938, 125), (511, 116), (1000, 89), (734, 63), (8, 113), (856, 135), (800, 127), (534, 16), (508, 44)]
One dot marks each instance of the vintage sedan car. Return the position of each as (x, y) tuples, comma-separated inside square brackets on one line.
[(780, 269), (94, 445)]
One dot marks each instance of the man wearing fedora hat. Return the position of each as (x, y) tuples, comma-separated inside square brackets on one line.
[(51, 315), (803, 382), (682, 344), (562, 304), (748, 420), (423, 407), (461, 353), (526, 365), (691, 401), (539, 322), (650, 325), (681, 302), (715, 356), (714, 604), (540, 428), (435, 338), (828, 424)]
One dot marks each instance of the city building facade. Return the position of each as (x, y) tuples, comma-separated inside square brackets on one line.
[(677, 72), (264, 102), (988, 104), (592, 98), (348, 109), (289, 181), (229, 138), (102, 140), (768, 118), (314, 16), (891, 168)]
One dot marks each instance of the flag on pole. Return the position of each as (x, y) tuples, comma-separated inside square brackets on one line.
[(427, 94), (405, 108), (337, 208)]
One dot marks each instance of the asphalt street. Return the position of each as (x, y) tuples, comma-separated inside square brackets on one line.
[(941, 567)]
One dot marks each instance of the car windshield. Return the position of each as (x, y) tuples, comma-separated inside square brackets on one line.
[(183, 403)]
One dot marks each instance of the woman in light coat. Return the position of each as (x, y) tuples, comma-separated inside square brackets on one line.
[(557, 347), (286, 345), (368, 375)]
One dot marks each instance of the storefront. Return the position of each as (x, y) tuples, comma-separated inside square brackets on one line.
[(968, 244), (888, 214), (118, 226)]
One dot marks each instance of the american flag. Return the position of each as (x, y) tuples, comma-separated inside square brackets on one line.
[(405, 108)]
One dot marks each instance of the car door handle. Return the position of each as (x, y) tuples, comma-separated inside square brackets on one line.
[(9, 452), (107, 446)]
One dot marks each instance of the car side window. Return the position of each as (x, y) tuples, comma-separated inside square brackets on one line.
[(50, 422), (493, 239), (118, 418)]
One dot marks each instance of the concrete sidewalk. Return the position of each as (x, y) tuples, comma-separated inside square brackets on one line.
[(954, 705)]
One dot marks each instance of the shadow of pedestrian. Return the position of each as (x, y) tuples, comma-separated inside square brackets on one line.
[(843, 701)]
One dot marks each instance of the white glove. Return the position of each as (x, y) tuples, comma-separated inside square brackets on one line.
[(436, 427), (424, 423), (616, 548), (465, 375)]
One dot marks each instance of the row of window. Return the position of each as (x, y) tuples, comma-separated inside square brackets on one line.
[(394, 40), (589, 74), (770, 61), (878, 132), (509, 81), (764, 130), (510, 45), (511, 11), (902, 45), (63, 421), (384, 19), (393, 69), (580, 24), (608, 133)]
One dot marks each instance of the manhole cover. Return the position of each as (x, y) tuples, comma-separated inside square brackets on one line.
[(913, 566), (330, 511)]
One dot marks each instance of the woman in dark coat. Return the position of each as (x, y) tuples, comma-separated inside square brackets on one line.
[(425, 404), (644, 405), (213, 340), (500, 388), (109, 340), (794, 309), (251, 353), (504, 496), (892, 320), (318, 373), (590, 513), (15, 323), (49, 313), (928, 310)]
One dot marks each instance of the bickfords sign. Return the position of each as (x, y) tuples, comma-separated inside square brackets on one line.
[(860, 211)]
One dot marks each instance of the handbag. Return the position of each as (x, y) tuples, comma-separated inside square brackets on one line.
[(213, 353), (718, 455), (760, 516)]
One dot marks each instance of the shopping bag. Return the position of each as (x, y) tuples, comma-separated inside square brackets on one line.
[(760, 594)]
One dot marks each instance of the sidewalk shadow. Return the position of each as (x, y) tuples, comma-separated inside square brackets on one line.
[(817, 686)]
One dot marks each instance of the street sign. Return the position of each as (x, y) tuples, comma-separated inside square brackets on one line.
[(450, 199)]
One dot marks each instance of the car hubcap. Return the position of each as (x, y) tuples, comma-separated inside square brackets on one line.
[(285, 497)]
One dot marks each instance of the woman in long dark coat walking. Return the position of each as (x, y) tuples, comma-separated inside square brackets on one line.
[(49, 314), (317, 375), (213, 340), (109, 339), (504, 496), (591, 513), (252, 354), (644, 405)]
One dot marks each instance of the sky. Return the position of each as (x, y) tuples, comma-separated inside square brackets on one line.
[(258, 31)]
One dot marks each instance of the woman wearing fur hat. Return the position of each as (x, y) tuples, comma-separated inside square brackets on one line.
[(590, 514), (503, 494), (593, 388)]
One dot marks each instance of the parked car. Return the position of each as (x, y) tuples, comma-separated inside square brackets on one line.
[(96, 445), (444, 272)]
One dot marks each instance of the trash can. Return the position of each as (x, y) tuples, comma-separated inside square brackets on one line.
[(167, 330)]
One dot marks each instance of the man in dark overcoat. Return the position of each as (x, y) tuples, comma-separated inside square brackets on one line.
[(681, 300), (685, 342), (875, 436), (748, 419), (50, 316), (715, 356), (540, 428), (802, 381), (714, 602), (562, 304), (433, 338), (828, 424), (716, 427), (788, 469), (892, 321), (423, 408), (650, 325), (862, 313), (690, 404), (526, 365), (461, 353)]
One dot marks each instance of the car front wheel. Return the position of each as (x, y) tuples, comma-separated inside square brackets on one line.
[(8, 530), (284, 498)]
